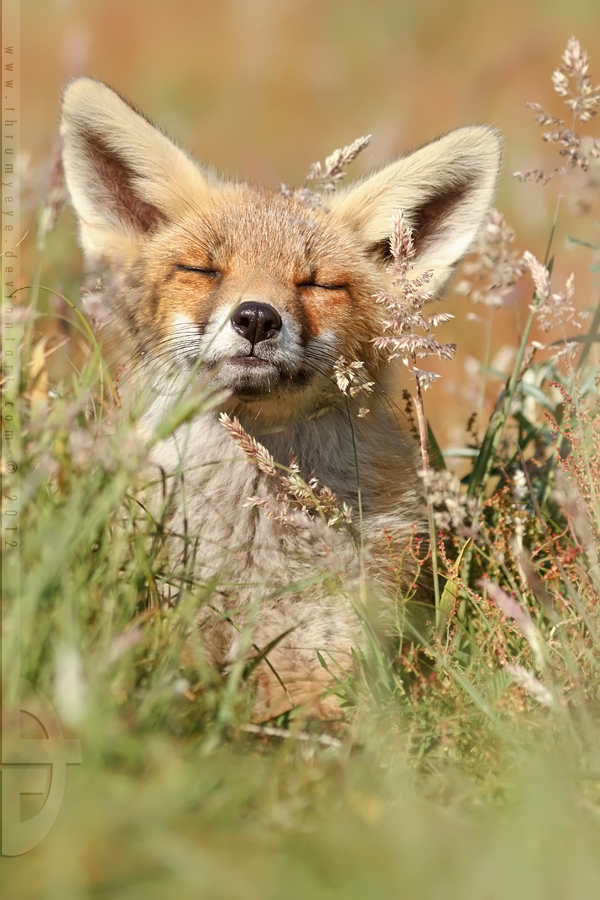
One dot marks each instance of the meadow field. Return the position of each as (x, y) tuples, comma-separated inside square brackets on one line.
[(467, 761)]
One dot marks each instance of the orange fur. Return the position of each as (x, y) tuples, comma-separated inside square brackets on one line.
[(207, 279)]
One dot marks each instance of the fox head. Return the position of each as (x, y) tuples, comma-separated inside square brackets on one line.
[(216, 276)]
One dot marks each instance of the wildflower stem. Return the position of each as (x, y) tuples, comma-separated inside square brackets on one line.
[(591, 336), (420, 407), (358, 489), (486, 360), (422, 425), (493, 435)]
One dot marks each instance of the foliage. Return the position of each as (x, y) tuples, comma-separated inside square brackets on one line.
[(468, 759)]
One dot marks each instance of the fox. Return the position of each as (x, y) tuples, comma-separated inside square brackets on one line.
[(208, 280)]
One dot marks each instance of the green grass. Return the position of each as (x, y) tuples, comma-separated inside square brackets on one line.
[(448, 776)]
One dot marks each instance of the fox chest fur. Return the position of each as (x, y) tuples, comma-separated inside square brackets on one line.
[(260, 301)]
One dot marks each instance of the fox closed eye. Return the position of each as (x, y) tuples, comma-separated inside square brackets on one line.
[(209, 273), (323, 287)]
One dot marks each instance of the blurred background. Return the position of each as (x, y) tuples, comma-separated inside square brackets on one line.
[(262, 88)]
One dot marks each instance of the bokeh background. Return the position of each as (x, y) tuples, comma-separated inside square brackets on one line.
[(261, 88)]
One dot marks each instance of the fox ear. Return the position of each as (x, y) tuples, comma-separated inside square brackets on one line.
[(125, 177), (444, 191)]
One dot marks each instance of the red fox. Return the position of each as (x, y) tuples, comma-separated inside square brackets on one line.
[(212, 280)]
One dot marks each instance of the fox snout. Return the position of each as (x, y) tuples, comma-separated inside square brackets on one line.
[(256, 322), (259, 353)]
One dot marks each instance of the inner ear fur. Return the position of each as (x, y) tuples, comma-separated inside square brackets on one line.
[(429, 216), (443, 190), (125, 177), (426, 219), (120, 196)]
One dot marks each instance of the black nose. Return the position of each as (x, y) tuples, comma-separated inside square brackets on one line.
[(256, 321)]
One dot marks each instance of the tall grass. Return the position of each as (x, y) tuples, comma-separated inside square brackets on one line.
[(468, 763)]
